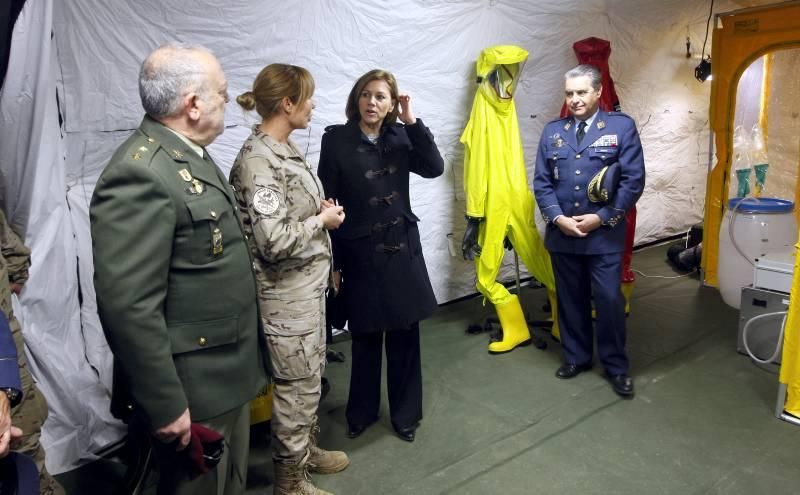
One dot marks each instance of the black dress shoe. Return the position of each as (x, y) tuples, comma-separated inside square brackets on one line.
[(623, 385), (408, 433), (570, 370), (356, 429)]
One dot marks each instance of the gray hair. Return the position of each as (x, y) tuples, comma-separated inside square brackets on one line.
[(167, 74), (595, 78)]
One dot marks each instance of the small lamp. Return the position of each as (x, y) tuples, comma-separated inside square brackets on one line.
[(703, 70)]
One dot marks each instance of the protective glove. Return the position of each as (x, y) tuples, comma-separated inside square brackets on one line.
[(469, 246)]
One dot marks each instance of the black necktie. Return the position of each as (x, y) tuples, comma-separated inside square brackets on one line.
[(581, 131)]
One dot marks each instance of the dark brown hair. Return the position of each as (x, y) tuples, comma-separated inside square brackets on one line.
[(351, 110)]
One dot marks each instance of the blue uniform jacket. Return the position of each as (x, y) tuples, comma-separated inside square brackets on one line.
[(563, 172), (9, 369)]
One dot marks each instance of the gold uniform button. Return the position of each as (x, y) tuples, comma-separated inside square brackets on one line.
[(577, 204), (577, 188), (213, 214), (202, 341), (130, 407), (151, 140), (577, 172), (603, 157), (578, 155)]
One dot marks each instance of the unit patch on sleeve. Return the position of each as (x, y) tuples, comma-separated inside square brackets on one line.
[(265, 201)]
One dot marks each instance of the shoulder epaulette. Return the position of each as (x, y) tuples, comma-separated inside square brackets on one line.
[(143, 149), (620, 114), (560, 119)]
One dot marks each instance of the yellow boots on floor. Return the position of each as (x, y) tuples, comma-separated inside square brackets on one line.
[(515, 328)]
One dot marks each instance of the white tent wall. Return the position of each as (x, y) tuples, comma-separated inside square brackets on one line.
[(93, 61), (33, 170)]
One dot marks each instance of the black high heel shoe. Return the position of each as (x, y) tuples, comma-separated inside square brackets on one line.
[(408, 433), (356, 429)]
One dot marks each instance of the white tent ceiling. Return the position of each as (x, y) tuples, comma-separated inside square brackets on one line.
[(92, 61)]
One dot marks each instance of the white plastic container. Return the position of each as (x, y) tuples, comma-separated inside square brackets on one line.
[(759, 225)]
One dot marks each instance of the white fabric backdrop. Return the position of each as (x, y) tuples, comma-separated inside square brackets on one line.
[(93, 61)]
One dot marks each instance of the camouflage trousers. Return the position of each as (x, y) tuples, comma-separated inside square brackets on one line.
[(295, 334), (29, 415)]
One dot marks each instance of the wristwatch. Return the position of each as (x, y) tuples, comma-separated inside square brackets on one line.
[(13, 395)]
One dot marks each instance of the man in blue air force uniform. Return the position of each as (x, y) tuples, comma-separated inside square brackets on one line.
[(586, 222)]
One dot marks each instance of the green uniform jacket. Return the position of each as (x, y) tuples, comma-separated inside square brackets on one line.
[(175, 289)]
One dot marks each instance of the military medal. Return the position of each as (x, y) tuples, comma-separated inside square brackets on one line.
[(559, 143), (197, 186), (185, 175), (606, 141), (216, 242)]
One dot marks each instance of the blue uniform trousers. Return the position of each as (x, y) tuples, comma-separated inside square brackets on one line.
[(578, 278)]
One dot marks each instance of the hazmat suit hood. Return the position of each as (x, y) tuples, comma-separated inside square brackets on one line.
[(498, 69)]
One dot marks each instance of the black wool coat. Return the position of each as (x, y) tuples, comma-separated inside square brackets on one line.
[(377, 248)]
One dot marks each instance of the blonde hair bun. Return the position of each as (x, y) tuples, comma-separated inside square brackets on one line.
[(246, 100)]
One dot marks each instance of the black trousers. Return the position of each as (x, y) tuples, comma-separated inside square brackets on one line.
[(578, 278), (403, 377)]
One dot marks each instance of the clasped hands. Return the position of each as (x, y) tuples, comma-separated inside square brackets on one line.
[(331, 214), (579, 225)]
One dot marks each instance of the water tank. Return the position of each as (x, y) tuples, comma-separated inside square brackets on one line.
[(757, 225)]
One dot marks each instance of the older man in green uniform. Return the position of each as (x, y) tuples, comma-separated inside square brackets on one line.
[(175, 288), (31, 412)]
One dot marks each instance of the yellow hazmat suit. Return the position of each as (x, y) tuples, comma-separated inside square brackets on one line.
[(790, 362), (497, 191)]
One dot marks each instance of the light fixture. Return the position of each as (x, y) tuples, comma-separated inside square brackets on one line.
[(703, 70)]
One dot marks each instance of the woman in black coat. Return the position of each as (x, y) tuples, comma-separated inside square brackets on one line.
[(364, 165)]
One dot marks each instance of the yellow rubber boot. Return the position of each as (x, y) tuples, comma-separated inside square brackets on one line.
[(627, 291), (515, 328), (792, 404), (555, 330)]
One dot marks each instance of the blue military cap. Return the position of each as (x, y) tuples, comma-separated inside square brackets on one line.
[(19, 475), (603, 185)]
